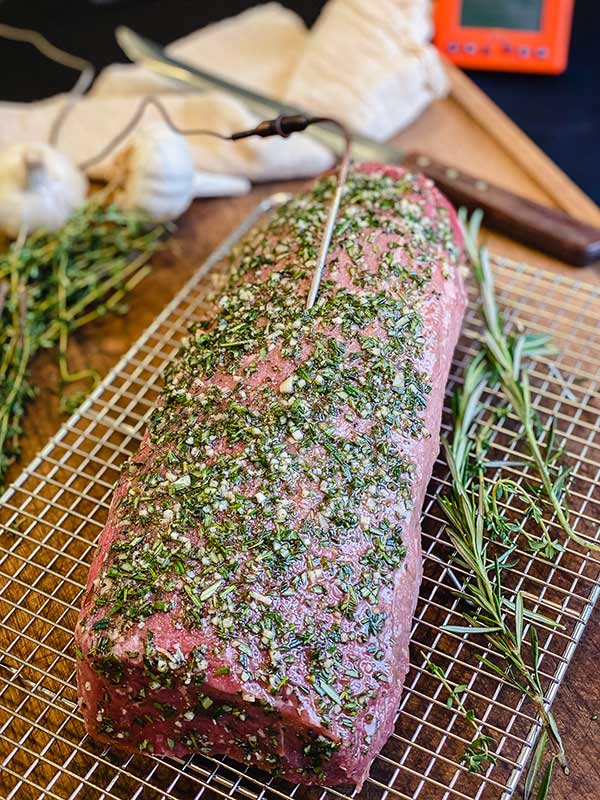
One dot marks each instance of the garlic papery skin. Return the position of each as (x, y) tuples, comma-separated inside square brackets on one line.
[(40, 187), (213, 184), (158, 176)]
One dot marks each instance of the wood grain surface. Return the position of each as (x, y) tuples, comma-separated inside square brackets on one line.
[(448, 132)]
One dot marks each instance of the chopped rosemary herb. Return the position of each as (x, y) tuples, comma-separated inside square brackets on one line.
[(272, 510)]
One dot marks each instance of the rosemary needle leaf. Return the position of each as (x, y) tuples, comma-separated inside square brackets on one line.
[(537, 760), (555, 732), (544, 789), (505, 464), (494, 667), (519, 619), (468, 629), (528, 614), (535, 657)]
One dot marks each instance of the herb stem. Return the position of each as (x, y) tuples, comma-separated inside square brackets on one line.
[(478, 751), (548, 485)]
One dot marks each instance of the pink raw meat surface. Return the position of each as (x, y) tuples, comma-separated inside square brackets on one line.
[(254, 585)]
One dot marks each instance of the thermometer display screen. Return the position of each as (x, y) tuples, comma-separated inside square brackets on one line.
[(512, 14)]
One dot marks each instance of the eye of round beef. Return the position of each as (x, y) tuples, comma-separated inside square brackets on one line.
[(253, 588)]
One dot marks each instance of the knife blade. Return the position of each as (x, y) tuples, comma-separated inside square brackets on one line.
[(155, 57), (551, 231)]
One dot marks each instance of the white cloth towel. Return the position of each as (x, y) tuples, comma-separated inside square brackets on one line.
[(366, 63)]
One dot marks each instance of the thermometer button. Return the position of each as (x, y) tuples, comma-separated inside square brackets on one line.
[(524, 51), (542, 52), (470, 48)]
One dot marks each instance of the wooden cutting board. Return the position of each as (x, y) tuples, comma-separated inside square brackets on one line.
[(466, 130)]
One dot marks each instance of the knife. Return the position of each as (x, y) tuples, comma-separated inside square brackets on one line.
[(553, 232)]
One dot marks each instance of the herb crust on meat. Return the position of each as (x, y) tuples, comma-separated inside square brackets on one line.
[(254, 585)]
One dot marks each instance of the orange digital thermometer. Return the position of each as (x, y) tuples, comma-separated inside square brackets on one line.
[(509, 35)]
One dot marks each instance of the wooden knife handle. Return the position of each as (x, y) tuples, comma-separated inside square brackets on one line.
[(545, 229)]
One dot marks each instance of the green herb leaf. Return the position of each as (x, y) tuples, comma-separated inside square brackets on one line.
[(535, 765), (519, 618), (544, 789), (470, 629)]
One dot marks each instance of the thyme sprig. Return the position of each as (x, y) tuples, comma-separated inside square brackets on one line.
[(476, 523), (52, 284), (477, 753), (489, 605), (505, 353)]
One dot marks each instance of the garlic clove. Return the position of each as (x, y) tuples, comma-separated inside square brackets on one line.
[(158, 172), (211, 184), (39, 188), (158, 176)]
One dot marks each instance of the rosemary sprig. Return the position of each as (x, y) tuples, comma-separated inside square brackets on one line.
[(505, 353), (489, 605), (53, 283), (476, 523)]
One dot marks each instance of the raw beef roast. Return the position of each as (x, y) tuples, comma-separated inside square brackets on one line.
[(254, 585)]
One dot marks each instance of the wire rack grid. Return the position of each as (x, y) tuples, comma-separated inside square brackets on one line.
[(51, 516)]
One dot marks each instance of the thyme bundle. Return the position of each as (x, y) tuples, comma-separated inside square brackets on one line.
[(475, 522), (51, 284)]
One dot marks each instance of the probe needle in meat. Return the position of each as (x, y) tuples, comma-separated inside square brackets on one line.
[(284, 126)]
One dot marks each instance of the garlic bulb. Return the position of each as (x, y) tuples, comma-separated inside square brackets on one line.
[(159, 175), (39, 188)]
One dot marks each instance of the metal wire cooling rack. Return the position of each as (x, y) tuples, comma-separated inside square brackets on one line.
[(52, 515)]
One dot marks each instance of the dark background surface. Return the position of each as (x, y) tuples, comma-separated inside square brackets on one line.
[(561, 113)]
